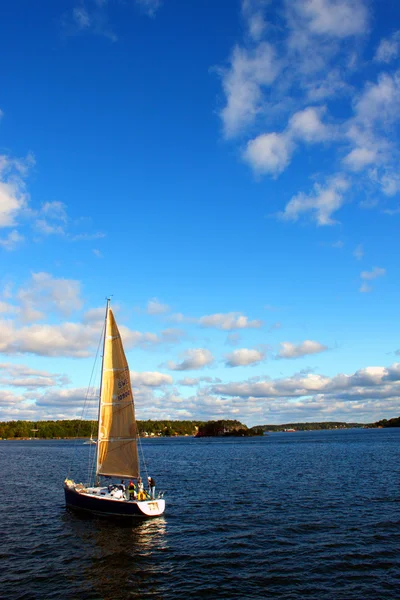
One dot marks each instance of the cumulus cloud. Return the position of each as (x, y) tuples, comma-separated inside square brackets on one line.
[(14, 197), (229, 321), (272, 152), (307, 125), (274, 86), (367, 383), (150, 379), (359, 158), (195, 358), (289, 350), (45, 295), (250, 70), (66, 339), (243, 357), (45, 292), (269, 153), (370, 393), (335, 18), (321, 203), (18, 375)]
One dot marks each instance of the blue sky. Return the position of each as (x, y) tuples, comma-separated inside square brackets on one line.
[(228, 171)]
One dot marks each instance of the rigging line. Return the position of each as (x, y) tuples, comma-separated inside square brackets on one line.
[(143, 459), (85, 405)]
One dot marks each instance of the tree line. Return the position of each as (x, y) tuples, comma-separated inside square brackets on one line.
[(84, 429), (80, 428)]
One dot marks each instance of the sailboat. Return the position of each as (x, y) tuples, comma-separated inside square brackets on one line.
[(90, 442), (117, 442)]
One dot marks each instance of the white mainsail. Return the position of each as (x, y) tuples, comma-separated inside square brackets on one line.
[(117, 454)]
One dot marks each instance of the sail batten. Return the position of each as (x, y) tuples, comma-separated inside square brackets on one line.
[(117, 453)]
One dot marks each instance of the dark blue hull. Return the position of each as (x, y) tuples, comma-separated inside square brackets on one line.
[(104, 507)]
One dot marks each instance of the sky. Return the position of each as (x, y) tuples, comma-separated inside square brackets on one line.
[(227, 172)]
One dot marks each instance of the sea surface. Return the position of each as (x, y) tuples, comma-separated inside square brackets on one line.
[(311, 515)]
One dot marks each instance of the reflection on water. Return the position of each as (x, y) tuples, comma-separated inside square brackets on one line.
[(121, 556)]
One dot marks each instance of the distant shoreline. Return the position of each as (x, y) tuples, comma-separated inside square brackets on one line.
[(76, 429), (158, 437)]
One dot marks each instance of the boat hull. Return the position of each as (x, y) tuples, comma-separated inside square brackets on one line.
[(107, 507)]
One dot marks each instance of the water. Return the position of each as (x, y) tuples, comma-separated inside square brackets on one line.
[(311, 515)]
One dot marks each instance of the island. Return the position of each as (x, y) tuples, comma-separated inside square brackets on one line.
[(227, 428)]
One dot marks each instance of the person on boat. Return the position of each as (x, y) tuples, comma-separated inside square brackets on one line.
[(122, 485), (140, 484), (131, 490), (152, 487)]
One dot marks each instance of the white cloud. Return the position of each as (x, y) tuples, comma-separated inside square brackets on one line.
[(249, 72), (229, 321), (243, 357), (155, 307), (390, 182), (289, 350), (272, 152), (388, 48), (359, 158), (380, 102), (71, 339), (195, 358), (95, 315), (51, 219), (253, 14), (47, 293), (309, 52), (13, 195), (18, 375), (12, 240), (6, 308), (307, 125), (376, 272), (269, 153), (364, 396), (369, 276), (150, 379), (321, 203), (336, 18), (367, 383)]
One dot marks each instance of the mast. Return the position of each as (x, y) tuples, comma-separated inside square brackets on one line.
[(101, 388)]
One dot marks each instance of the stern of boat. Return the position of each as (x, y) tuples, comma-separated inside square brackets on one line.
[(152, 508)]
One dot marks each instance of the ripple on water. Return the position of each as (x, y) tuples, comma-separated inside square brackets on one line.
[(314, 515)]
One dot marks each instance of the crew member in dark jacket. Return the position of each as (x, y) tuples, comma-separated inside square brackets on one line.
[(152, 487)]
